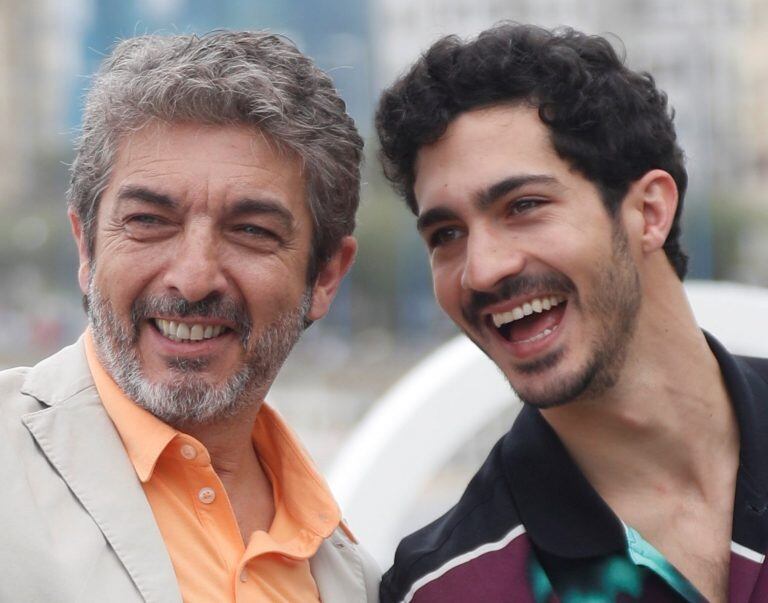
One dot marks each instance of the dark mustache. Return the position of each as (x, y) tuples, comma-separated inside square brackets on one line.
[(513, 286), (214, 306)]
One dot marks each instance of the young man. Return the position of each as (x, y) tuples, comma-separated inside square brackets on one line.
[(213, 199), (548, 186)]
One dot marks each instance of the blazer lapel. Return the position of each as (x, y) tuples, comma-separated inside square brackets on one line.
[(78, 438)]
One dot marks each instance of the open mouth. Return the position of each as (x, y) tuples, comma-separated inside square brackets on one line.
[(180, 331), (530, 321)]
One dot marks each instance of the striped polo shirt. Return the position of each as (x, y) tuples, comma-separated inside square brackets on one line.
[(530, 528)]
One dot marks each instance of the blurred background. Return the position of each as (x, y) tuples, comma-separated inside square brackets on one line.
[(711, 56)]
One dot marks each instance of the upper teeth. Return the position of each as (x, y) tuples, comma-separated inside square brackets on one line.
[(539, 304), (181, 331)]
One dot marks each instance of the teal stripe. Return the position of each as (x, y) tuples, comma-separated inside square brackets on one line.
[(644, 553)]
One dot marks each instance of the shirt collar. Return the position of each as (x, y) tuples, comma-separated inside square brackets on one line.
[(561, 511), (298, 485), (565, 516), (749, 393), (144, 436)]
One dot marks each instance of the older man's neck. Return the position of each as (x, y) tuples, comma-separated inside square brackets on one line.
[(236, 462)]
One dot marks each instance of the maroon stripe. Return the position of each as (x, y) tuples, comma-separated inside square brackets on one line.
[(494, 577)]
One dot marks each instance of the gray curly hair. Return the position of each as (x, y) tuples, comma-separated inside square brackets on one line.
[(223, 77)]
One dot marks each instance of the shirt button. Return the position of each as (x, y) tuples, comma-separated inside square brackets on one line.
[(244, 576), (206, 495), (188, 451)]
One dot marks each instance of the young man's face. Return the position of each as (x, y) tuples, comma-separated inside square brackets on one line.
[(525, 258)]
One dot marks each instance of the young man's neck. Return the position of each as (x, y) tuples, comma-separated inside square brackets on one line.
[(661, 447), (667, 419)]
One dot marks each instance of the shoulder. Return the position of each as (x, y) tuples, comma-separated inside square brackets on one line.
[(754, 372), (484, 520), (53, 380), (12, 378), (757, 365), (12, 400)]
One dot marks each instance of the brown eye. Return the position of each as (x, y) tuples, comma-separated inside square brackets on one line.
[(524, 205), (443, 236)]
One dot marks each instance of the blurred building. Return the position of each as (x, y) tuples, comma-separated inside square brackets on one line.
[(39, 51), (753, 99), (751, 264)]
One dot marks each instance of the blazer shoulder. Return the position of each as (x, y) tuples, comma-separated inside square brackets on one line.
[(11, 379), (59, 377), (12, 399)]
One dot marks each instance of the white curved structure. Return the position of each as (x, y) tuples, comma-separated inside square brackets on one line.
[(416, 427)]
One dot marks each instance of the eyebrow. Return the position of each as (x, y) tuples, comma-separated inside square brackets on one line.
[(142, 193), (434, 216), (483, 199), (503, 187)]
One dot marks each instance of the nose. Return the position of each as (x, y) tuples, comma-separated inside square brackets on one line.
[(196, 270), (490, 258)]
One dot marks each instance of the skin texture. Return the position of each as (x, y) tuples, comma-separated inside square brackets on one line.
[(626, 379), (548, 236), (196, 213)]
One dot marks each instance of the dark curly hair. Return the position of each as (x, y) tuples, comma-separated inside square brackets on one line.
[(608, 122)]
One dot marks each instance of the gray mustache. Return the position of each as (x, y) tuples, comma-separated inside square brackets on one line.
[(216, 307)]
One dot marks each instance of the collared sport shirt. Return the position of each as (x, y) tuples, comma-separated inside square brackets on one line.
[(531, 529), (194, 515)]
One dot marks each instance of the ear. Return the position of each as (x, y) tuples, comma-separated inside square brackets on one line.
[(653, 199), (329, 278), (84, 271)]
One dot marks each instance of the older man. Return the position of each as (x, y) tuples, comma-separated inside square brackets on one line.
[(548, 186), (212, 198)]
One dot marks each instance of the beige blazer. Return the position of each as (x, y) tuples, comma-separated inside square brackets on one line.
[(74, 522)]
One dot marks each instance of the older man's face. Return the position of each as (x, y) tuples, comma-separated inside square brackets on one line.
[(198, 284)]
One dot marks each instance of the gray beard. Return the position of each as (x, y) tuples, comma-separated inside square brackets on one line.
[(186, 397)]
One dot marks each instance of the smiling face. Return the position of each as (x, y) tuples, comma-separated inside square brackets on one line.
[(525, 258), (198, 285)]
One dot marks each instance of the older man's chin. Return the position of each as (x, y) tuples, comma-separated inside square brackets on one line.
[(187, 397), (191, 399)]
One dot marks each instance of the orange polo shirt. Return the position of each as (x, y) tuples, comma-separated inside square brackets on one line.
[(196, 520)]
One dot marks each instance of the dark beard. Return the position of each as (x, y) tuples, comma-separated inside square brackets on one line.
[(617, 297)]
